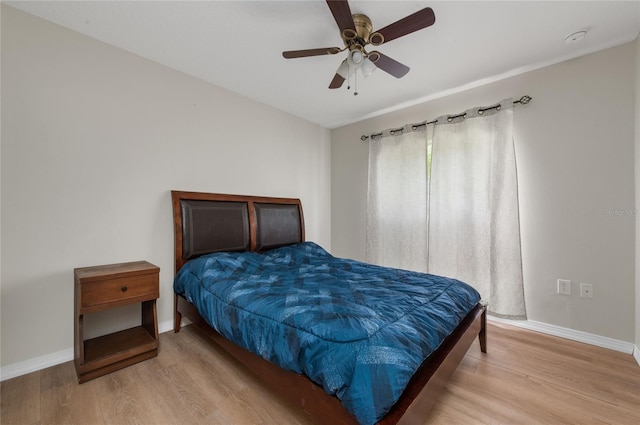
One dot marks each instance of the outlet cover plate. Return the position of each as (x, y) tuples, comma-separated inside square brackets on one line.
[(564, 287), (586, 290)]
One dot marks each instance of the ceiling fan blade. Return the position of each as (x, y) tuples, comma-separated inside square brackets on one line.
[(342, 14), (291, 54), (412, 23), (337, 81), (389, 65)]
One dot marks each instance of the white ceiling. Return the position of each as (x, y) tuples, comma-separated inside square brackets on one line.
[(238, 44)]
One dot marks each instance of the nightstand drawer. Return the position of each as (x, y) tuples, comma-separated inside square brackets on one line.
[(144, 287)]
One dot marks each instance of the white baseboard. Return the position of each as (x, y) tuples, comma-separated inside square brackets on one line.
[(636, 354), (48, 360), (32, 365), (165, 326), (585, 337)]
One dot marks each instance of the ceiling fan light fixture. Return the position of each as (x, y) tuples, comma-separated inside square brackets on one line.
[(344, 70), (356, 58), (367, 67)]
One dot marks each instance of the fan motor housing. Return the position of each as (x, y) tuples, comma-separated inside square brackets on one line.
[(362, 35)]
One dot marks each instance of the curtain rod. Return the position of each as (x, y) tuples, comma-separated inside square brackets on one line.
[(522, 101)]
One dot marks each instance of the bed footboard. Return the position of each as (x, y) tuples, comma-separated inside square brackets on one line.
[(293, 387), (413, 406), (429, 381)]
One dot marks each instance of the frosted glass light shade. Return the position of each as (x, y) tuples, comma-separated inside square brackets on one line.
[(345, 70), (356, 58), (367, 67)]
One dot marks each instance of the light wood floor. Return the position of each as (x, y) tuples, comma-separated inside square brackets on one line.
[(526, 378)]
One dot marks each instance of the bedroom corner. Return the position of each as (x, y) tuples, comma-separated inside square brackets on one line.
[(567, 228), (93, 141)]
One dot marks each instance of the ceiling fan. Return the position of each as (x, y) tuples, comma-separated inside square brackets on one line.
[(356, 33)]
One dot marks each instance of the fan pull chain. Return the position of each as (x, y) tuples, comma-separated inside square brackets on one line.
[(355, 82)]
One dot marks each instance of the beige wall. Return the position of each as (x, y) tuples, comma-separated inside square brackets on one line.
[(93, 140), (637, 193), (575, 156)]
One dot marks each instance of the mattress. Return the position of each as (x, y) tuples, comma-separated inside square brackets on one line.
[(358, 330)]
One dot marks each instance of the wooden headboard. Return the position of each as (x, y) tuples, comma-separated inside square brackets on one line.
[(212, 222)]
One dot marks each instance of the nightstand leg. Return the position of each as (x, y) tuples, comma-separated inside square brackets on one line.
[(149, 318), (78, 356)]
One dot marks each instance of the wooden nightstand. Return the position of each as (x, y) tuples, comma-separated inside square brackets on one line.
[(103, 287)]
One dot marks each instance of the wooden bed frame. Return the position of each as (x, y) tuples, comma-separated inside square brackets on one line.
[(251, 223)]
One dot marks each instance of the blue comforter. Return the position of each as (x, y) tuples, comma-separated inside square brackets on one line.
[(358, 330)]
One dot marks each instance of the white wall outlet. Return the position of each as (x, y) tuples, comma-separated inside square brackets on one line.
[(564, 287), (586, 290)]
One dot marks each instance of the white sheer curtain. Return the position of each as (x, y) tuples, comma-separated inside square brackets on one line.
[(474, 230), (397, 201)]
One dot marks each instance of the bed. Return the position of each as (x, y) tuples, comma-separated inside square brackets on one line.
[(227, 243)]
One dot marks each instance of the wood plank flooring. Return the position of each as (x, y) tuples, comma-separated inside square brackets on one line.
[(525, 378)]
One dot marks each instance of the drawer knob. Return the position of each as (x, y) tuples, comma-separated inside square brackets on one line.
[(123, 289)]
